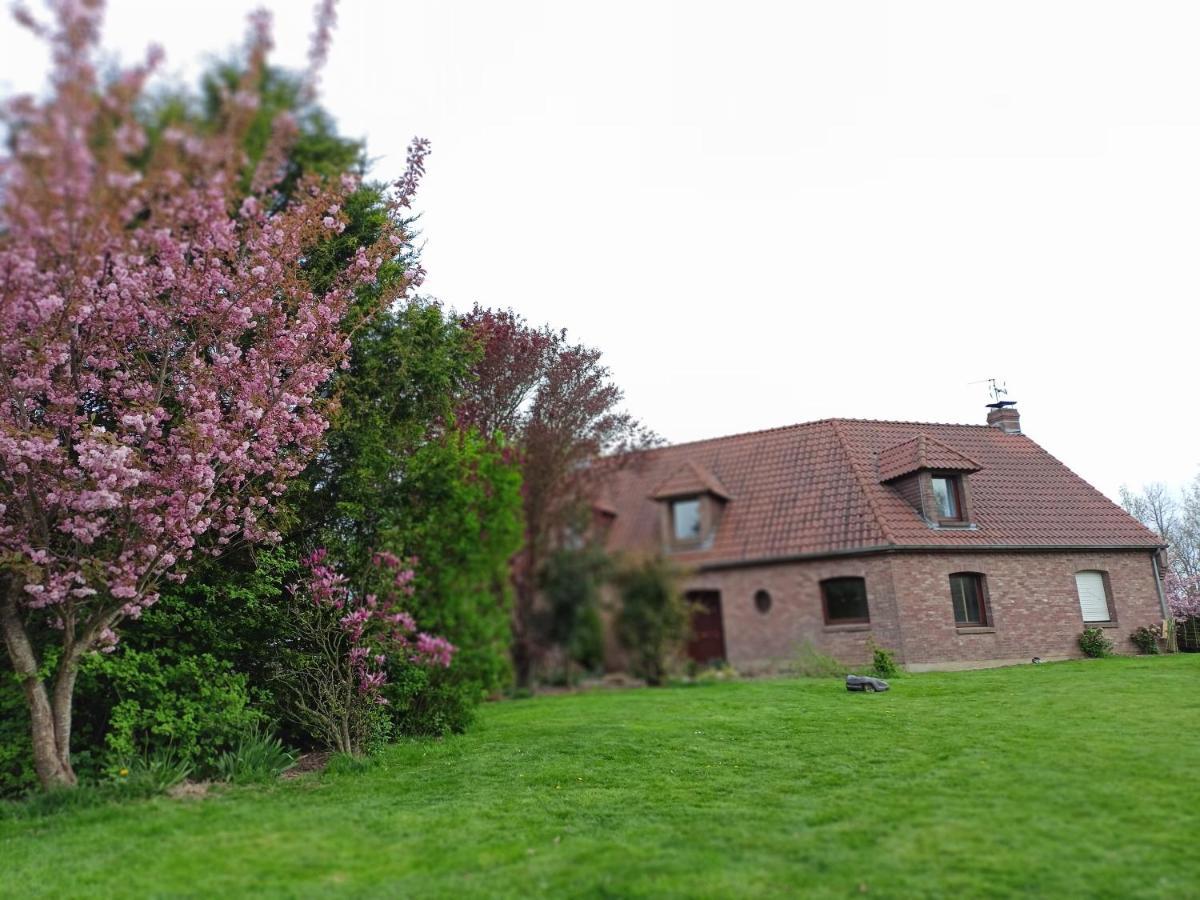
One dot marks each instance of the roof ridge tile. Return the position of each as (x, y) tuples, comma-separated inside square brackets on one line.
[(828, 420)]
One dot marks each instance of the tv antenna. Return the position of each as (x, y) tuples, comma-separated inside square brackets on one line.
[(998, 391)]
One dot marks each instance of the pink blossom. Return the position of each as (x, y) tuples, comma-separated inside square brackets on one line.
[(372, 622), (1183, 596), (435, 651), (162, 361)]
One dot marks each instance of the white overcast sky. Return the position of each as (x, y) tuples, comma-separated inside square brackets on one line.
[(766, 213)]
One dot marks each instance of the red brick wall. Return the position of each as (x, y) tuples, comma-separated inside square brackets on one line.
[(755, 640), (1034, 608), (1033, 600), (912, 489)]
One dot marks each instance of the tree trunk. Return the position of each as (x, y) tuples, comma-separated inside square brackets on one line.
[(524, 646), (522, 655), (49, 714)]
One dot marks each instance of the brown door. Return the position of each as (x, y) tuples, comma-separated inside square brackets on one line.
[(707, 643)]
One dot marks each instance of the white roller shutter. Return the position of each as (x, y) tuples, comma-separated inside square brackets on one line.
[(1093, 599)]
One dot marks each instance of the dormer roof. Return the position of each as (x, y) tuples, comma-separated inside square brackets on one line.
[(920, 453), (604, 505), (688, 480)]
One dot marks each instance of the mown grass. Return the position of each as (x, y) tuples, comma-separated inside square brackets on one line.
[(1071, 779)]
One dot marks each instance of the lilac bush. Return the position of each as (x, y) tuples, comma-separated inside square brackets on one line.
[(344, 638)]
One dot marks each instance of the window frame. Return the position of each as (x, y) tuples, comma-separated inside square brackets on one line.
[(825, 582), (957, 497), (690, 540), (981, 593), (1109, 604)]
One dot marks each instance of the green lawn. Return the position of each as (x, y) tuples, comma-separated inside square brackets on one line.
[(1065, 779)]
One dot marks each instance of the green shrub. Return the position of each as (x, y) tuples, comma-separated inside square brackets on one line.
[(258, 756), (425, 702), (570, 586), (883, 662), (188, 707), (654, 617), (16, 760), (810, 663), (398, 474), (1093, 643), (588, 647), (1146, 639)]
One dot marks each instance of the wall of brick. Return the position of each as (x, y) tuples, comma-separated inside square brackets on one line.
[(914, 488), (1034, 605), (756, 640)]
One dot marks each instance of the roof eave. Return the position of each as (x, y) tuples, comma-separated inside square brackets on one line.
[(878, 549)]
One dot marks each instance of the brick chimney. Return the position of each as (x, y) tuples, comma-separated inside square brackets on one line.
[(1004, 415)]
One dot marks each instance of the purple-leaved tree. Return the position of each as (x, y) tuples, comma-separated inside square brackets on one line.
[(162, 349)]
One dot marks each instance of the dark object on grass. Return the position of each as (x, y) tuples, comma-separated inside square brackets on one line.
[(865, 683), (1036, 660)]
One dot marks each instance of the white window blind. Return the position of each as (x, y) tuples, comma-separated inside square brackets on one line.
[(1093, 599)]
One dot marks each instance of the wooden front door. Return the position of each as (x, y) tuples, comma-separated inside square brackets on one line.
[(707, 643)]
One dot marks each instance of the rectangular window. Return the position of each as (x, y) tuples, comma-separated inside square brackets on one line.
[(946, 496), (1093, 596), (845, 601), (685, 519), (966, 592)]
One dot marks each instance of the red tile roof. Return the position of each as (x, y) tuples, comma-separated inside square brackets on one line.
[(816, 488), (922, 452), (690, 479)]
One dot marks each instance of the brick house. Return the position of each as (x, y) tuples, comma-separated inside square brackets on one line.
[(953, 545)]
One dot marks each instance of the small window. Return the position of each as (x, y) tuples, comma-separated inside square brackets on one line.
[(947, 494), (1093, 596), (845, 601), (967, 594), (685, 519), (762, 602)]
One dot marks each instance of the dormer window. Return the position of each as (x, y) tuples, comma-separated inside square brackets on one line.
[(947, 496), (685, 519), (932, 477), (691, 504)]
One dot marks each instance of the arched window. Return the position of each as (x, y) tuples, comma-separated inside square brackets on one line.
[(1095, 599), (845, 601), (968, 593)]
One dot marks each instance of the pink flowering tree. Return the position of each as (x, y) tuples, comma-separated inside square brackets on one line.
[(1183, 596), (342, 641), (162, 348), (1183, 601)]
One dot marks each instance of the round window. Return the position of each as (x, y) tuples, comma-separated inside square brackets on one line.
[(762, 601)]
